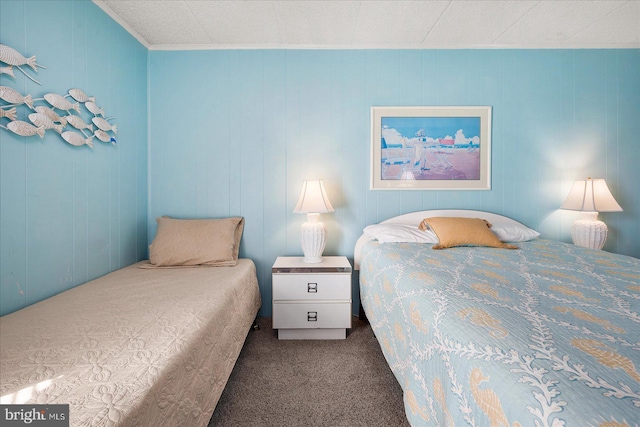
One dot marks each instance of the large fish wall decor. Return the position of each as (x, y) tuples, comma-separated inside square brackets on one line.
[(55, 112), (13, 58)]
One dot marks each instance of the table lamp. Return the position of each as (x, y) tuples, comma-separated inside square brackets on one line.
[(590, 197), (313, 234)]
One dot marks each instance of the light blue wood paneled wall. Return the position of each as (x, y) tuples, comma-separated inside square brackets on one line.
[(236, 133), (70, 214)]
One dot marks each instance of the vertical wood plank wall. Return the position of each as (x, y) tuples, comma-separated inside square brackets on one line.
[(236, 132), (219, 133), (70, 214)]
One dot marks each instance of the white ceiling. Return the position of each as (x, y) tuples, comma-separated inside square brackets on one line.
[(219, 24)]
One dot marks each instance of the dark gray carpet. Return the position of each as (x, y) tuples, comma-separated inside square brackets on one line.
[(311, 383)]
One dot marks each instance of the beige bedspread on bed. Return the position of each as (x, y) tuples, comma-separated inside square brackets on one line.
[(137, 347)]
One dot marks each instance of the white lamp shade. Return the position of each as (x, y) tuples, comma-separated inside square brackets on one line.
[(591, 195), (313, 198)]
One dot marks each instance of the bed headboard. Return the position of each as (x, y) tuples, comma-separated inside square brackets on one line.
[(414, 218)]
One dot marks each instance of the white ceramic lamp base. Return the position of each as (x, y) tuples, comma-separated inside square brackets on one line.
[(589, 232), (313, 238)]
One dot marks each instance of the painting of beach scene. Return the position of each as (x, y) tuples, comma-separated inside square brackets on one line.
[(430, 147)]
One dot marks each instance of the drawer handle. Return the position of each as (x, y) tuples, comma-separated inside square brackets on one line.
[(312, 316), (312, 287)]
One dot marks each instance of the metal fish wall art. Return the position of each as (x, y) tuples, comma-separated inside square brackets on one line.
[(61, 103), (9, 114), (78, 123), (47, 116), (94, 109), (24, 129), (104, 137), (41, 120), (104, 125), (12, 96), (80, 96), (8, 71), (12, 57), (76, 139), (51, 114)]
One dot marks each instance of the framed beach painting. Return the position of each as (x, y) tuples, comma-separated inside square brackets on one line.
[(431, 148)]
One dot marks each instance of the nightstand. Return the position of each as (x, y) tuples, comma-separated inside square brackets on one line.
[(311, 301)]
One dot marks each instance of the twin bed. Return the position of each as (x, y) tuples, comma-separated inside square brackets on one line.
[(544, 335), (143, 345)]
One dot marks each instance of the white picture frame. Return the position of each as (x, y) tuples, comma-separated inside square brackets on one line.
[(431, 148)]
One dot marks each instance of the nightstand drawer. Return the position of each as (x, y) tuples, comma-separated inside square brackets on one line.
[(311, 315), (290, 287)]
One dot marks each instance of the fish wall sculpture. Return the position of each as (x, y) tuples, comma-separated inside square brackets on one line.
[(103, 136), (51, 114), (9, 114), (14, 97), (8, 71), (78, 123), (61, 103), (94, 109), (13, 58), (41, 120), (76, 139), (56, 114), (104, 125), (80, 96), (24, 129)]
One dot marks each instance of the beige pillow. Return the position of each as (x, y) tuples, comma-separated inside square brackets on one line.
[(184, 242), (454, 231)]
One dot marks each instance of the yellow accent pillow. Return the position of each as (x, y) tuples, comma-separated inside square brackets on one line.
[(454, 231), (189, 242)]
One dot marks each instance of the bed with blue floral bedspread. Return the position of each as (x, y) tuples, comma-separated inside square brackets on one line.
[(545, 335)]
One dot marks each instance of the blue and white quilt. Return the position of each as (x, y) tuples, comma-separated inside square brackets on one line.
[(545, 335)]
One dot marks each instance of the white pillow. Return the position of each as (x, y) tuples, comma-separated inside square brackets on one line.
[(506, 229), (400, 233), (509, 230)]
